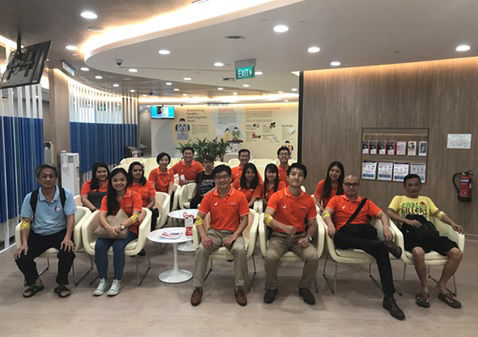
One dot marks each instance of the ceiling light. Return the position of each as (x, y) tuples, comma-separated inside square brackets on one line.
[(258, 73), (293, 89), (280, 92), (187, 78), (463, 47), (286, 100), (245, 85), (85, 69), (335, 63), (176, 89), (164, 52), (313, 49), (71, 47), (220, 89), (296, 73), (144, 95), (133, 70), (218, 64), (185, 94), (168, 83), (132, 90), (281, 28), (89, 15), (116, 85), (234, 93), (99, 77)]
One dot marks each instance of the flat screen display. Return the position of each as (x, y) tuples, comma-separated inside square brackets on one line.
[(162, 111)]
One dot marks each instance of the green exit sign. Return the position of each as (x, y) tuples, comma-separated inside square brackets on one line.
[(244, 72)]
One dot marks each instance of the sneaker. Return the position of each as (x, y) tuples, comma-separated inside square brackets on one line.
[(115, 288), (270, 295), (392, 307), (101, 288), (307, 296), (196, 296), (393, 248), (241, 298)]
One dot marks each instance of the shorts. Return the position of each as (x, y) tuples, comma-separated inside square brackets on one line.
[(441, 245)]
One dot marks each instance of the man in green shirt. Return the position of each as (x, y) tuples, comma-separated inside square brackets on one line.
[(403, 209)]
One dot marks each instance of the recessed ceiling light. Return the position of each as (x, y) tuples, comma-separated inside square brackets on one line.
[(335, 63), (218, 64), (164, 52), (144, 95), (168, 83), (220, 89), (296, 73), (116, 85), (245, 85), (89, 15), (463, 47), (133, 70), (185, 94), (280, 92), (176, 89), (132, 90), (313, 49), (293, 89), (99, 77), (234, 93), (71, 47), (85, 69), (258, 73), (281, 28), (187, 78), (286, 100)]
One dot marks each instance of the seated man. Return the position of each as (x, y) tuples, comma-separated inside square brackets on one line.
[(187, 169), (347, 219), (244, 156), (291, 215), (283, 154), (48, 218), (229, 215), (414, 211)]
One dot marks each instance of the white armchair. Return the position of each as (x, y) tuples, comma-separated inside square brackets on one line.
[(175, 200), (259, 206), (432, 258), (249, 234), (162, 204), (291, 257), (78, 200), (131, 249), (184, 194)]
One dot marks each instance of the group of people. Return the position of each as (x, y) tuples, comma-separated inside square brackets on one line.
[(227, 195)]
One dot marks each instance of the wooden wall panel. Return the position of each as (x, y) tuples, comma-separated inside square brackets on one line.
[(438, 95)]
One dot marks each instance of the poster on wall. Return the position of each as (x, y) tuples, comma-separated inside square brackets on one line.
[(422, 148), (182, 129), (412, 148), (369, 170), (385, 171), (400, 171), (420, 170)]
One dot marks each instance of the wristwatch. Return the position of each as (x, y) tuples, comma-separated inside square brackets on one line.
[(310, 238), (122, 227)]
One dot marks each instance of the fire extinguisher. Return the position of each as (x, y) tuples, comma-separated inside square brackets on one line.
[(464, 191)]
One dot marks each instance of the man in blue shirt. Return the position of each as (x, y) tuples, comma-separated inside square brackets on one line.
[(48, 224)]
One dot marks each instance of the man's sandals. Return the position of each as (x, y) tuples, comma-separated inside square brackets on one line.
[(423, 300), (32, 290), (62, 291), (450, 300)]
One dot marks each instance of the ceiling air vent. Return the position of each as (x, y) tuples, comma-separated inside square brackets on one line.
[(235, 37), (228, 79)]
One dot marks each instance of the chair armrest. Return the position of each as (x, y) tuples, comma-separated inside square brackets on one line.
[(253, 235), (262, 234), (164, 212), (87, 230), (18, 236), (196, 237), (143, 231), (449, 232), (399, 240), (79, 223), (321, 233), (258, 206)]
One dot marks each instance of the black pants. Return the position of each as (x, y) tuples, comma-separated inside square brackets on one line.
[(37, 244), (361, 237)]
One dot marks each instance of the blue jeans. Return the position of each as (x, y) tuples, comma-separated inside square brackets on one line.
[(101, 255)]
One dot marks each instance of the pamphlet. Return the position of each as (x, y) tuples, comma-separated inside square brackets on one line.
[(420, 170), (365, 146), (401, 148), (391, 147), (400, 171), (170, 235), (373, 147), (369, 170), (382, 147), (422, 148), (412, 148), (385, 171)]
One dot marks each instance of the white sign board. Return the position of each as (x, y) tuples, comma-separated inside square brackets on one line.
[(459, 141)]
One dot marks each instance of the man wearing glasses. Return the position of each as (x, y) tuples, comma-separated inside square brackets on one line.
[(351, 229)]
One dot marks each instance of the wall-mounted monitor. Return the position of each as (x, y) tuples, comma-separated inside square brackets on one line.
[(162, 111)]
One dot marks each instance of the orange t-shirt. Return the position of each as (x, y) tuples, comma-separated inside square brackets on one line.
[(283, 174), (270, 191), (161, 180), (146, 191), (249, 192), (292, 211), (236, 173), (86, 188), (319, 192), (189, 172), (131, 201), (225, 212), (343, 208)]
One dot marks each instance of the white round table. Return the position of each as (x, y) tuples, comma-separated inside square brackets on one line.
[(181, 214), (178, 235)]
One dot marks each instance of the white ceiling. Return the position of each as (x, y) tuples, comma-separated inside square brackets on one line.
[(356, 32)]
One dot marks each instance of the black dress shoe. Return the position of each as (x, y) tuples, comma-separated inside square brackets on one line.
[(393, 248), (307, 296), (196, 297), (392, 307), (270, 295)]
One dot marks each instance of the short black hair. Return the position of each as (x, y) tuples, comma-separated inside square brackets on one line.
[(298, 166), (411, 176), (243, 150), (161, 155), (187, 148), (208, 158), (283, 148), (43, 167), (221, 168)]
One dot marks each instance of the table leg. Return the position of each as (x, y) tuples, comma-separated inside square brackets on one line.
[(175, 275)]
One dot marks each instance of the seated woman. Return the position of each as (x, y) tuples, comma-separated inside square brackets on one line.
[(118, 197), (93, 190), (272, 183), (139, 184), (162, 177), (249, 184), (204, 181), (331, 186)]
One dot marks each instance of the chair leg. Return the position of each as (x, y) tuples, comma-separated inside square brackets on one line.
[(140, 280), (374, 280), (86, 273), (47, 267), (209, 271), (332, 288), (253, 275)]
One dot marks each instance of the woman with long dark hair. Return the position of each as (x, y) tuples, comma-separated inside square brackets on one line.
[(249, 184), (330, 186), (272, 183), (139, 184), (119, 197), (93, 190)]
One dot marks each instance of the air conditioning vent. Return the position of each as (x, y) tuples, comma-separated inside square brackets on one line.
[(234, 37)]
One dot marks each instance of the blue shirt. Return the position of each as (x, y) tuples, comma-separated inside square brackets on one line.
[(50, 218)]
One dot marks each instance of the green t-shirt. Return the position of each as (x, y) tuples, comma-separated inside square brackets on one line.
[(404, 205)]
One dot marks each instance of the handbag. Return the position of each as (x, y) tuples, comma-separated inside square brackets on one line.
[(114, 220), (424, 233), (95, 198)]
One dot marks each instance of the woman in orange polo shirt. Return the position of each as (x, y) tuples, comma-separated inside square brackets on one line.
[(118, 197), (331, 186), (161, 177), (139, 184), (249, 184), (272, 183), (93, 190)]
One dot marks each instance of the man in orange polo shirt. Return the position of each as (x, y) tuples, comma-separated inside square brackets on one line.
[(187, 169), (291, 215), (244, 156), (229, 214), (283, 154), (357, 233)]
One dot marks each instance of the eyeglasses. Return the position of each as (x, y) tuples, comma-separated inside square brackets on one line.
[(352, 184)]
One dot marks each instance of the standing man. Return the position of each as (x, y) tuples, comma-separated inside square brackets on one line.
[(48, 218), (244, 156), (187, 169), (291, 215), (413, 212), (350, 231), (229, 215), (283, 154)]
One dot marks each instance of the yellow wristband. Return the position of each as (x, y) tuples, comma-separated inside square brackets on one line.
[(267, 219), (134, 217), (199, 221), (24, 225), (325, 214)]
